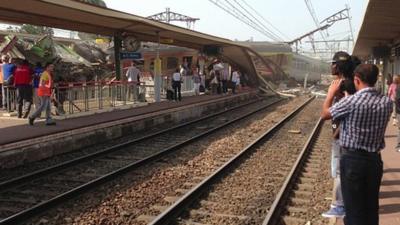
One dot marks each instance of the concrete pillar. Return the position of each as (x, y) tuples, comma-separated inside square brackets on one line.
[(157, 73)]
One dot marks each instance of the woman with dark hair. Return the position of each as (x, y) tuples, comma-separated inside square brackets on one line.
[(343, 66)]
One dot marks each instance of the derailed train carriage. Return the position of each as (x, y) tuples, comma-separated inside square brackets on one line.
[(294, 65)]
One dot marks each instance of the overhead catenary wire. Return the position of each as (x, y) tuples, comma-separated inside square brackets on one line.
[(259, 22), (237, 16), (240, 15), (275, 37), (265, 20)]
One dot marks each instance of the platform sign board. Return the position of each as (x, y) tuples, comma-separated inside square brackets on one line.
[(130, 55)]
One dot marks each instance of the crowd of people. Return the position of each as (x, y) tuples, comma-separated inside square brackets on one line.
[(33, 86), (221, 80), (28, 83), (218, 81), (359, 115)]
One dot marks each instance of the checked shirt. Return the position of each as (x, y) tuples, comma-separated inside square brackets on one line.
[(363, 119)]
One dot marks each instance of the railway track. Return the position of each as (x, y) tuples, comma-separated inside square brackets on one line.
[(31, 194), (9, 174), (244, 188), (299, 200)]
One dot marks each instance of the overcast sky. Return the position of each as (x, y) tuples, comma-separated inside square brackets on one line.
[(291, 17)]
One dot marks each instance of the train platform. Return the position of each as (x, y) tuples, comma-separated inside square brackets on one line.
[(21, 143), (389, 202)]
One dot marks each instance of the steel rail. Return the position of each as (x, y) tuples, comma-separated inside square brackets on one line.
[(43, 206), (52, 169), (174, 210), (277, 206), (116, 119)]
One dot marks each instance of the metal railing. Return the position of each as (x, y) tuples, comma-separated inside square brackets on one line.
[(188, 84), (82, 97), (70, 98), (10, 99)]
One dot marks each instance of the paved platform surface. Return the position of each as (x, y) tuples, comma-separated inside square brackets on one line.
[(389, 201), (14, 129)]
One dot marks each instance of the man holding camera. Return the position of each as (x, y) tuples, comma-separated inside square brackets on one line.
[(363, 117)]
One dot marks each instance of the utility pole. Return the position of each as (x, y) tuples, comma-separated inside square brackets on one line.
[(351, 27), (324, 25), (297, 40), (169, 16)]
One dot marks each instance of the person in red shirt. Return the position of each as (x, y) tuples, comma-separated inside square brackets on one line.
[(23, 83)]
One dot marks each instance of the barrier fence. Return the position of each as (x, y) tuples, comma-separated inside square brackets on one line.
[(70, 98)]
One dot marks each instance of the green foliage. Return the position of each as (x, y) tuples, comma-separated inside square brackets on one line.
[(38, 30)]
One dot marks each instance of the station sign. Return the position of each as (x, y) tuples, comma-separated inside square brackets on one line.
[(130, 55)]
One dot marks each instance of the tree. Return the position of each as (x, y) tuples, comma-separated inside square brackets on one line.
[(38, 30)]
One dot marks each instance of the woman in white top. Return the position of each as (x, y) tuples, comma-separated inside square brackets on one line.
[(235, 80), (176, 84), (196, 81)]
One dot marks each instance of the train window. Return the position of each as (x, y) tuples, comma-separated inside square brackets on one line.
[(172, 63)]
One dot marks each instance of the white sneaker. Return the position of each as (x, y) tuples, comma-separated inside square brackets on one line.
[(335, 211)]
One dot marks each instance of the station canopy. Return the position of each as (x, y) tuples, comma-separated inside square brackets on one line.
[(380, 28), (79, 16)]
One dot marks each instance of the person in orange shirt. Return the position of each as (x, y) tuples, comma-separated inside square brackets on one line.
[(45, 93)]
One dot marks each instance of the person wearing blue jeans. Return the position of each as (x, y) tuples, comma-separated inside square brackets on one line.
[(45, 93), (8, 69), (45, 104), (337, 207), (363, 118)]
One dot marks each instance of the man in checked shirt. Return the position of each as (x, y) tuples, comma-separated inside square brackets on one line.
[(363, 118)]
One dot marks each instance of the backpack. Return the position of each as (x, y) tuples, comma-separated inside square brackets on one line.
[(202, 89)]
